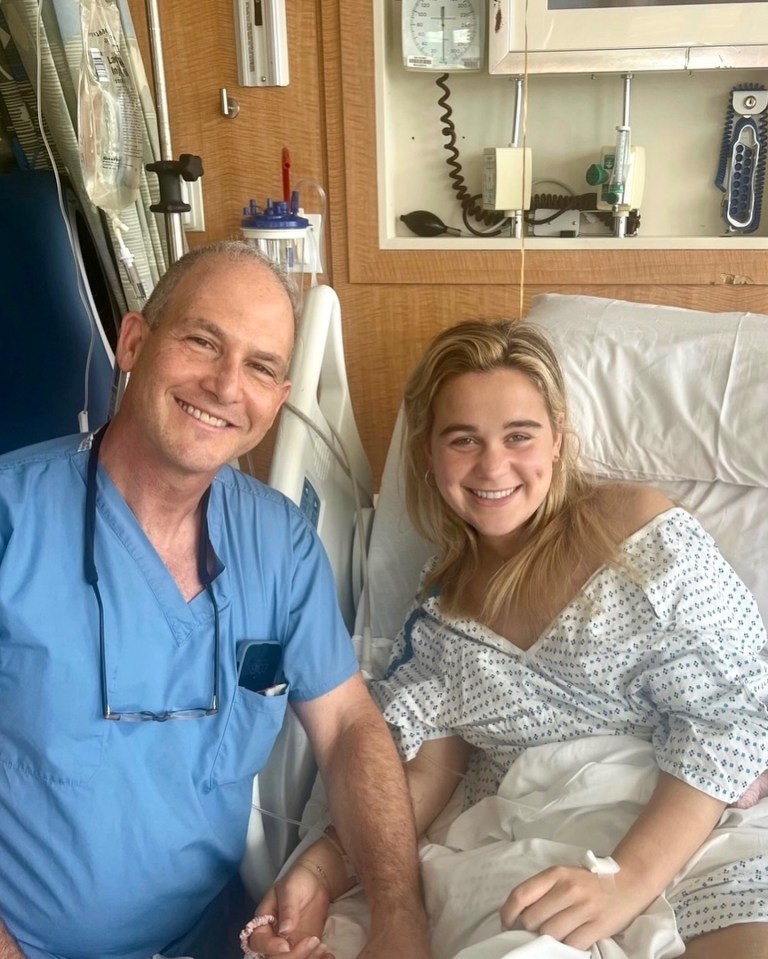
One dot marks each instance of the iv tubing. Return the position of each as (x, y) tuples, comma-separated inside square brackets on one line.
[(82, 416)]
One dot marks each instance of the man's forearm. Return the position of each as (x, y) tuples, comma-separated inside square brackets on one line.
[(372, 813), (8, 947), (371, 810)]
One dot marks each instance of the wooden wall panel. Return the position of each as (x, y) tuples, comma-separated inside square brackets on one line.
[(393, 302)]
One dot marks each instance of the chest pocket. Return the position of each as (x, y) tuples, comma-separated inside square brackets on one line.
[(252, 728), (50, 722)]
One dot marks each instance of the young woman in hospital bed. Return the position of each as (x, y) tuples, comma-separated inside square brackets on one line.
[(583, 657)]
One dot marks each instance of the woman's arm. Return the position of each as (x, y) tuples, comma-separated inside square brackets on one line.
[(433, 775), (321, 873), (578, 907)]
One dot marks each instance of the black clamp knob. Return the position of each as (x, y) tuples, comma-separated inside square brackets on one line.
[(188, 167)]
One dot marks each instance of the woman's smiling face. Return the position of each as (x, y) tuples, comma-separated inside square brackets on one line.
[(492, 449)]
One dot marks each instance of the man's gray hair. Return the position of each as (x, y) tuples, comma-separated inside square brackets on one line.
[(232, 250)]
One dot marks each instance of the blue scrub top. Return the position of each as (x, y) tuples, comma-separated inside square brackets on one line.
[(114, 836)]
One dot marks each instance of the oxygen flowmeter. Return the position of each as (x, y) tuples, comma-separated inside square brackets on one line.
[(620, 174), (619, 183)]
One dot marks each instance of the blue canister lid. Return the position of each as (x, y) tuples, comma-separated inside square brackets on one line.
[(275, 216)]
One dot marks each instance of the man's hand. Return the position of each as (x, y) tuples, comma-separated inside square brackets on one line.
[(299, 901), (574, 906)]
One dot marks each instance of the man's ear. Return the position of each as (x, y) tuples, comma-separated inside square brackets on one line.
[(285, 392), (133, 333)]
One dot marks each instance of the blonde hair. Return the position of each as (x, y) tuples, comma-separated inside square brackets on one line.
[(567, 522)]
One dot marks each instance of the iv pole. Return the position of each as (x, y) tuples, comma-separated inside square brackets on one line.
[(189, 167), (168, 170)]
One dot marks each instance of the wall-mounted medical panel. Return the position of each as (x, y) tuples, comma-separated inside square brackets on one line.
[(434, 131), (595, 36)]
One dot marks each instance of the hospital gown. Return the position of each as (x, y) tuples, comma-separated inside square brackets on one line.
[(666, 646)]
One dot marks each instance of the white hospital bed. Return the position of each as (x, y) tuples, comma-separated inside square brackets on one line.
[(318, 462), (670, 397)]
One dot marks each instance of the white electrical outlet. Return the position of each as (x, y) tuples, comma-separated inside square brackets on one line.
[(192, 193), (561, 224)]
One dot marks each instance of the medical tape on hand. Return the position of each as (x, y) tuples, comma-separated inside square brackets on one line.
[(604, 867)]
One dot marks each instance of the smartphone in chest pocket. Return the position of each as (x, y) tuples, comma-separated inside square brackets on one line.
[(259, 665)]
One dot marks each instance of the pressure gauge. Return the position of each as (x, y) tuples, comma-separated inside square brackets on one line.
[(443, 35)]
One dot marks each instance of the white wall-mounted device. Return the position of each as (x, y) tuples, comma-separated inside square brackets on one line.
[(262, 43), (507, 178)]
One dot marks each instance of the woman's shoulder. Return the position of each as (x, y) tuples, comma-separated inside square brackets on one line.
[(629, 507)]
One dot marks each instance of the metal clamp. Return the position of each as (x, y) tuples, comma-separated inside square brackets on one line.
[(229, 106), (750, 102)]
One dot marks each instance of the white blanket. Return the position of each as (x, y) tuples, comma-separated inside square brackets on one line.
[(557, 802)]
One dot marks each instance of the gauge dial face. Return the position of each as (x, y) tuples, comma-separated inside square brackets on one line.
[(443, 34)]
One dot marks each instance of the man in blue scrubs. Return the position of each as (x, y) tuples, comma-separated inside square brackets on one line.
[(138, 574)]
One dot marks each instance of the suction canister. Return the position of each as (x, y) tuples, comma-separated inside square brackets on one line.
[(279, 231)]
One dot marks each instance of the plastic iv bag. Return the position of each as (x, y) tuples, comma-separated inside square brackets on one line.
[(109, 116)]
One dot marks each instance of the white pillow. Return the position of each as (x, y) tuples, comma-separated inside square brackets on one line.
[(678, 399), (675, 398)]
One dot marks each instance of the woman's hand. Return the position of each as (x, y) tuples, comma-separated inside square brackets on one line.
[(299, 902), (578, 907), (574, 905)]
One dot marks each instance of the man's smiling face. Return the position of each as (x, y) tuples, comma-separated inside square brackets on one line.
[(207, 382)]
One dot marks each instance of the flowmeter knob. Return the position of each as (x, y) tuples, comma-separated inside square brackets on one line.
[(597, 175)]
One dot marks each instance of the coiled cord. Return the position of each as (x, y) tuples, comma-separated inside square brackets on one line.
[(560, 203), (469, 204)]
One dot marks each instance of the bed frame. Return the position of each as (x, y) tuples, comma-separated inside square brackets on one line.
[(319, 463)]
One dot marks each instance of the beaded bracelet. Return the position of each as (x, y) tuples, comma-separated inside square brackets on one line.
[(245, 935)]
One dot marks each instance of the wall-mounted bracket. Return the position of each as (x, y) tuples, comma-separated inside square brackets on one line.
[(229, 106)]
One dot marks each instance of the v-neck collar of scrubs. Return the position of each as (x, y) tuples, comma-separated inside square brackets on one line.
[(183, 617)]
